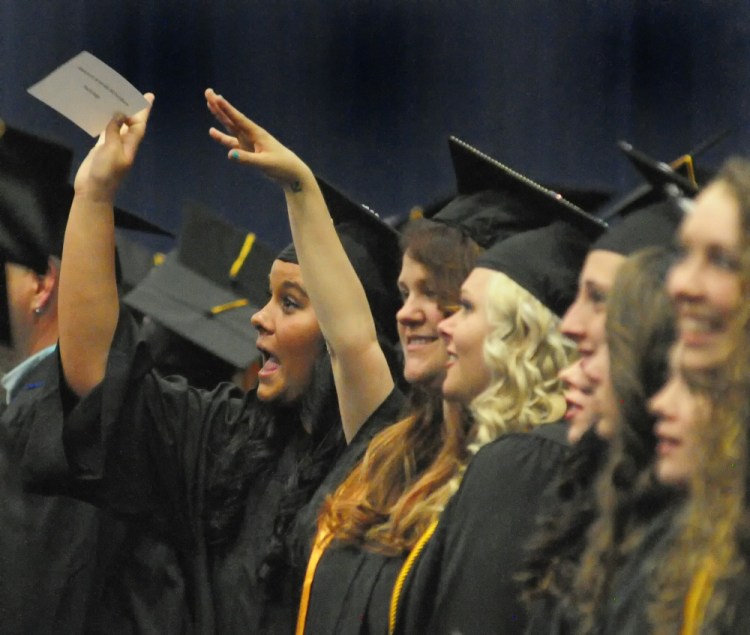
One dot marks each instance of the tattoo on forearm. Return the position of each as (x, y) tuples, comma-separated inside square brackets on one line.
[(295, 186)]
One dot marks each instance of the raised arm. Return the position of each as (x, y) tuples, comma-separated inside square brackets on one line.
[(88, 304), (363, 379)]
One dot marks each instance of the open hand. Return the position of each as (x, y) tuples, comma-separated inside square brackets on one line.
[(249, 143)]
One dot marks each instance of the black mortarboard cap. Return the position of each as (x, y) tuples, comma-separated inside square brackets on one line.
[(588, 199), (36, 169), (134, 261), (33, 170), (209, 287), (650, 226), (495, 202), (30, 156), (372, 247), (545, 261), (662, 180), (659, 175)]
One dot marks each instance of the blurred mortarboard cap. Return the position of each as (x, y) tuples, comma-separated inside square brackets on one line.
[(30, 156), (495, 202), (681, 177), (33, 171), (659, 175), (651, 226), (546, 261), (36, 197), (25, 235), (588, 199), (134, 261), (639, 225), (209, 287), (372, 246)]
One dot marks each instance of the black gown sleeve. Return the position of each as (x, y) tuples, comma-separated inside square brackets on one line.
[(137, 443)]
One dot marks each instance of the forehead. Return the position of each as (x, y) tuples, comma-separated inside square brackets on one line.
[(477, 281), (413, 271), (600, 267), (714, 219), (282, 271)]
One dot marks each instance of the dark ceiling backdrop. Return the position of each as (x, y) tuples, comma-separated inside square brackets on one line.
[(368, 91)]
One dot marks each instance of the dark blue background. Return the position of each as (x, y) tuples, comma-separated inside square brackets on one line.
[(368, 91)]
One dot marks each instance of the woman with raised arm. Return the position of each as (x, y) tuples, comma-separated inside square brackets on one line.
[(374, 520), (221, 475)]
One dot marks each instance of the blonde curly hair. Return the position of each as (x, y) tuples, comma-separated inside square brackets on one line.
[(524, 351)]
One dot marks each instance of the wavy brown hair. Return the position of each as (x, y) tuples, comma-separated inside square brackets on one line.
[(640, 329), (411, 469), (414, 460), (712, 533)]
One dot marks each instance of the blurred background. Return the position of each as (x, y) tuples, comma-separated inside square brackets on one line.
[(367, 91)]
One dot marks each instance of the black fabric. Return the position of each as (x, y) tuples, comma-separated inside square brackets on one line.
[(142, 446), (352, 587), (632, 586), (545, 261), (372, 247), (390, 411), (463, 582), (652, 226), (86, 570)]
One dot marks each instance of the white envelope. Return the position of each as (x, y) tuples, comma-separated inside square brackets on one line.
[(89, 93)]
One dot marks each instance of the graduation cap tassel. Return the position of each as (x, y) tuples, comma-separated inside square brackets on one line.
[(227, 306), (247, 247)]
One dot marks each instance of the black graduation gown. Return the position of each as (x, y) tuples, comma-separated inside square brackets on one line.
[(48, 543), (69, 567), (352, 587), (139, 445), (463, 582), (631, 593)]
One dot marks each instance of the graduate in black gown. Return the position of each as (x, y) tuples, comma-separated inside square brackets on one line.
[(373, 521), (556, 547), (223, 473), (701, 579), (463, 580), (57, 552)]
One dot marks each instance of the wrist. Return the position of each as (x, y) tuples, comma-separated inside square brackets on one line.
[(302, 182)]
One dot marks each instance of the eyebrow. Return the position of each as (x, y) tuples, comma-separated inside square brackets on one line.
[(290, 284)]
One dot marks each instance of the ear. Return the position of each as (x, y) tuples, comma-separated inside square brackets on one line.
[(46, 286)]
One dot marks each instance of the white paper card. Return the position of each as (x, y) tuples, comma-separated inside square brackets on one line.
[(89, 93)]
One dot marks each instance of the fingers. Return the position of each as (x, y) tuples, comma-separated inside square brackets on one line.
[(224, 139), (231, 118)]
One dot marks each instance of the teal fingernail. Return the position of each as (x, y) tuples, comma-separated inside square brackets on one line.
[(235, 154)]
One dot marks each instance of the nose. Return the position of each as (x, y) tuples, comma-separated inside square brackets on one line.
[(571, 375), (595, 367), (658, 405), (410, 312), (261, 319), (684, 279), (446, 326), (573, 322)]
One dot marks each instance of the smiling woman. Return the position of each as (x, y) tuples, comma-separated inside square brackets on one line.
[(705, 283)]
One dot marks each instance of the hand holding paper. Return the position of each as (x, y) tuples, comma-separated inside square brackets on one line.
[(111, 158), (89, 93)]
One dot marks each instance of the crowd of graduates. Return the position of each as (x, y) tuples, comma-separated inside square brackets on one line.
[(516, 411)]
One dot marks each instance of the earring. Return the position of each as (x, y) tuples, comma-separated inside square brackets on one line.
[(38, 310)]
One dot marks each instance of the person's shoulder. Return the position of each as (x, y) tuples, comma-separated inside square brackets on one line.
[(549, 436), (520, 453)]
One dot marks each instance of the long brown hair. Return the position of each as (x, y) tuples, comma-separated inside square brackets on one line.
[(640, 329), (402, 482), (712, 533)]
